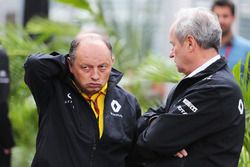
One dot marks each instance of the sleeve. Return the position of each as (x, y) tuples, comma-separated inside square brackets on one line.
[(4, 76), (6, 137), (138, 110), (193, 117), (151, 114), (144, 121), (40, 70)]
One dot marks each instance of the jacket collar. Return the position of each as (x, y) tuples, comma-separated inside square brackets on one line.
[(216, 66), (187, 82), (204, 66), (114, 78)]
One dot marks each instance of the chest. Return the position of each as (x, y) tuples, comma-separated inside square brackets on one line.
[(77, 116)]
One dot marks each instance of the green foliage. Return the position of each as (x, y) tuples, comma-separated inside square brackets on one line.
[(17, 41), (47, 27), (24, 118), (55, 35), (158, 69), (24, 122), (40, 35), (22, 156), (243, 79), (152, 70), (82, 4)]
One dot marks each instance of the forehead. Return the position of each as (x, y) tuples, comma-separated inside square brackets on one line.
[(222, 10), (92, 49), (172, 35)]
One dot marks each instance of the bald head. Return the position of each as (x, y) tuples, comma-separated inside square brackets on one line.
[(88, 38)]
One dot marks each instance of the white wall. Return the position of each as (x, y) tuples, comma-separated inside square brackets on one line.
[(168, 11), (14, 7)]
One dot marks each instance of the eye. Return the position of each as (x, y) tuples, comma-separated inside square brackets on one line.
[(103, 67), (85, 68)]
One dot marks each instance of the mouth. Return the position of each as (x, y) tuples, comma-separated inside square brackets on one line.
[(94, 85)]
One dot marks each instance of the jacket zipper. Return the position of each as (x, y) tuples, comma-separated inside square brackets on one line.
[(92, 154), (96, 138)]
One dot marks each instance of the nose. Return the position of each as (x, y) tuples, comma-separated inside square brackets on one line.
[(171, 54), (95, 74), (221, 19)]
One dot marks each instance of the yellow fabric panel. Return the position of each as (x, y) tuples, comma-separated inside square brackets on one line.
[(100, 97)]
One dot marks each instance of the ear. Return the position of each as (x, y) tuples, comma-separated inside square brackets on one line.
[(190, 42), (233, 18), (69, 61), (113, 59)]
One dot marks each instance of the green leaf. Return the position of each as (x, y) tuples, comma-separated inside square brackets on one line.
[(159, 69), (18, 42), (82, 4)]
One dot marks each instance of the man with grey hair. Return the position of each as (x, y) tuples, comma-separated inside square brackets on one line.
[(204, 113), (85, 118)]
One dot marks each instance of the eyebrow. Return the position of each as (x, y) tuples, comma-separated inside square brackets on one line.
[(84, 64)]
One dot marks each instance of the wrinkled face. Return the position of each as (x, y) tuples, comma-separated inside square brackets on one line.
[(225, 17), (179, 53), (91, 66)]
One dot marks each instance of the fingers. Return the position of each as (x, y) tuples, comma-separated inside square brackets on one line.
[(181, 154), (7, 151)]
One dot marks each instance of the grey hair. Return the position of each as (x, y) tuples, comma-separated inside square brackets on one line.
[(87, 37), (200, 23)]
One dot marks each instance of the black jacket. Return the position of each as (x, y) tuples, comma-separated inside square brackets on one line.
[(204, 114), (68, 130), (6, 137)]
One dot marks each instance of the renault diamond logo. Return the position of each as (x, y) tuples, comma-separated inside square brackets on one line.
[(241, 107), (115, 106)]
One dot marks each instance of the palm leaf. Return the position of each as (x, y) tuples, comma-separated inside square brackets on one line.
[(158, 69), (17, 41), (81, 4)]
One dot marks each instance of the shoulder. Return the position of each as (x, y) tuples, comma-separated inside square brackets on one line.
[(126, 97), (240, 41), (223, 84), (125, 93), (36, 58)]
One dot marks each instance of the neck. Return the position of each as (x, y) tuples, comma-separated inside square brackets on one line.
[(226, 38), (203, 56)]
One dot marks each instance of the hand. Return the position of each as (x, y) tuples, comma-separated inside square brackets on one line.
[(7, 151), (181, 154)]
